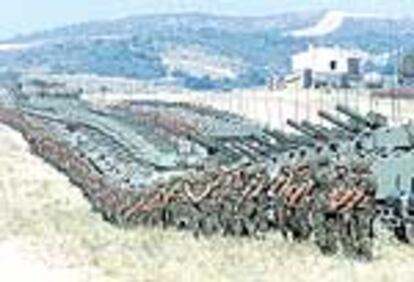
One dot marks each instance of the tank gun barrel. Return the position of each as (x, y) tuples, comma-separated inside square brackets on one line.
[(241, 146), (356, 117), (247, 143), (305, 131), (243, 151), (230, 149), (280, 136), (209, 146), (341, 124), (267, 144), (319, 132)]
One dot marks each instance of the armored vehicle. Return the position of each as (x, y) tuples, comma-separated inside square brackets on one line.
[(196, 168)]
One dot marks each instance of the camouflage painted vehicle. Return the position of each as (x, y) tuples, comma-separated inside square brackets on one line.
[(198, 169)]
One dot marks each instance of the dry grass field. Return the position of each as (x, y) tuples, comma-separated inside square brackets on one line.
[(48, 233)]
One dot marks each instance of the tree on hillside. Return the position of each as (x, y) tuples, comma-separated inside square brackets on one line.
[(406, 69)]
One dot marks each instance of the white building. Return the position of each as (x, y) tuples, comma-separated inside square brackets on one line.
[(325, 66)]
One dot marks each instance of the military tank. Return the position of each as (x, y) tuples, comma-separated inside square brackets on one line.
[(386, 152), (122, 156), (175, 165)]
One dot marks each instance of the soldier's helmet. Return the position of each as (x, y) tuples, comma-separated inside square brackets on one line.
[(368, 185), (342, 166), (321, 174), (322, 161), (361, 166), (285, 169)]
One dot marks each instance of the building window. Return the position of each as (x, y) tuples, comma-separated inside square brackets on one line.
[(353, 66), (333, 65)]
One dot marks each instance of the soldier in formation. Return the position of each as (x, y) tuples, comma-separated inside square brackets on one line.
[(299, 202), (334, 202), (323, 219), (295, 188), (363, 212), (331, 202), (278, 189), (345, 210)]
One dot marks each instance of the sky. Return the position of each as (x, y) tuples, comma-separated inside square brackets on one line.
[(25, 16)]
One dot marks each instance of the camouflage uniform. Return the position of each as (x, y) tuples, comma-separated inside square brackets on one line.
[(289, 224), (361, 223), (342, 185), (323, 220), (281, 210), (299, 220)]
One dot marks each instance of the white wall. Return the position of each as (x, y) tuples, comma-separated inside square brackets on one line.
[(319, 60)]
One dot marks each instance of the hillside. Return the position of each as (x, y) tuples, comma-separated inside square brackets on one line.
[(225, 52)]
